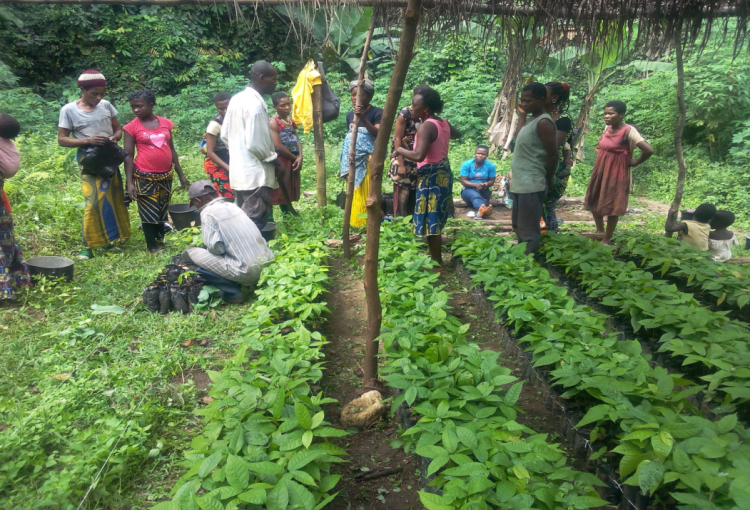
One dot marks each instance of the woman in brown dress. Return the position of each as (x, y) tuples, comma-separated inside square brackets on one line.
[(608, 190)]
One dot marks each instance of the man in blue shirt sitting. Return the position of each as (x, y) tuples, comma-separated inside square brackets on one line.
[(477, 178)]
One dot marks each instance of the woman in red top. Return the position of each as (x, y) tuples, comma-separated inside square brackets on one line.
[(149, 172)]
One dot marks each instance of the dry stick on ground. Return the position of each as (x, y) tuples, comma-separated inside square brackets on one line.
[(377, 474), (353, 144), (372, 294), (682, 108)]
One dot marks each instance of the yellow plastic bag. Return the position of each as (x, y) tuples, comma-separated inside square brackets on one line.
[(302, 108)]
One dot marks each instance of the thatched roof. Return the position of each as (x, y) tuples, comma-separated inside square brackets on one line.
[(594, 20)]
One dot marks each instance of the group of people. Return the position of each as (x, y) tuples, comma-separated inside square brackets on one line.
[(420, 169), (540, 167), (261, 150), (707, 231), (253, 162)]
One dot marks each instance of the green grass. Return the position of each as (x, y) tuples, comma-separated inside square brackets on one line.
[(129, 366)]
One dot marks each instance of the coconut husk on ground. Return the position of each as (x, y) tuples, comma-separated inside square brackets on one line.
[(363, 412)]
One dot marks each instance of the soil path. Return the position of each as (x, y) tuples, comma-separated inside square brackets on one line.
[(369, 450), (535, 414)]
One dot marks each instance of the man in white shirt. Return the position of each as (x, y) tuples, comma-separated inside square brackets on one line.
[(235, 250), (253, 165)]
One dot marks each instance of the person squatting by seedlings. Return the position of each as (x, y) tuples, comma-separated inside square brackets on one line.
[(289, 149), (216, 162), (150, 168), (235, 251), (86, 122), (721, 240), (694, 232)]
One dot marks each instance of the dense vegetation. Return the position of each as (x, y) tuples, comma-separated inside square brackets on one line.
[(187, 54)]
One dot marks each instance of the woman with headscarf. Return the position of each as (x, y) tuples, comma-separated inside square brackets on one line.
[(434, 202), (92, 121), (367, 131), (403, 172)]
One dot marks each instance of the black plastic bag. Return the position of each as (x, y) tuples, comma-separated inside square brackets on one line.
[(331, 103), (102, 160)]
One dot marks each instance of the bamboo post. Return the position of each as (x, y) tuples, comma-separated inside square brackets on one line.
[(353, 145), (320, 151), (682, 109), (377, 160)]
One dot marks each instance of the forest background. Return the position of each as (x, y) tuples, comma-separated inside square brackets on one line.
[(187, 54)]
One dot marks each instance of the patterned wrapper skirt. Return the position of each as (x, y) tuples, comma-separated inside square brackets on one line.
[(14, 273), (292, 181), (558, 190), (105, 218), (219, 178), (434, 198), (154, 192)]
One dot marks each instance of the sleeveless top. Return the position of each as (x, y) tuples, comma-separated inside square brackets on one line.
[(438, 150), (697, 234), (287, 134), (529, 160)]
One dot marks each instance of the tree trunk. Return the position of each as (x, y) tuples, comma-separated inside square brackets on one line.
[(583, 121), (501, 128), (682, 109), (353, 146), (372, 293), (320, 150)]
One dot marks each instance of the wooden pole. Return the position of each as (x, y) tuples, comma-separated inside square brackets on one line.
[(682, 110), (353, 144), (377, 160), (320, 151)]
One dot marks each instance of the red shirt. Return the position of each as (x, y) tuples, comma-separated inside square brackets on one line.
[(152, 151)]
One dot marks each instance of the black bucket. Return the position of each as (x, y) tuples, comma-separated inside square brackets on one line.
[(53, 267), (686, 215), (269, 231), (184, 216)]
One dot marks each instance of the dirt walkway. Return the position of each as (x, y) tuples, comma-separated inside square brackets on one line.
[(369, 450)]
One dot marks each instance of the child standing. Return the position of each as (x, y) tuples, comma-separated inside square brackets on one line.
[(216, 162), (14, 273), (149, 172), (720, 240), (693, 232), (286, 142)]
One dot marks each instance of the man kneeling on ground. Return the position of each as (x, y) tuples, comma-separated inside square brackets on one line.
[(235, 251)]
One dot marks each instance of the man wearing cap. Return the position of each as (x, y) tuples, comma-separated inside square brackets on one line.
[(252, 156), (235, 251)]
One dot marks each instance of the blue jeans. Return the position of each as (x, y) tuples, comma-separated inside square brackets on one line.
[(229, 288), (476, 198)]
